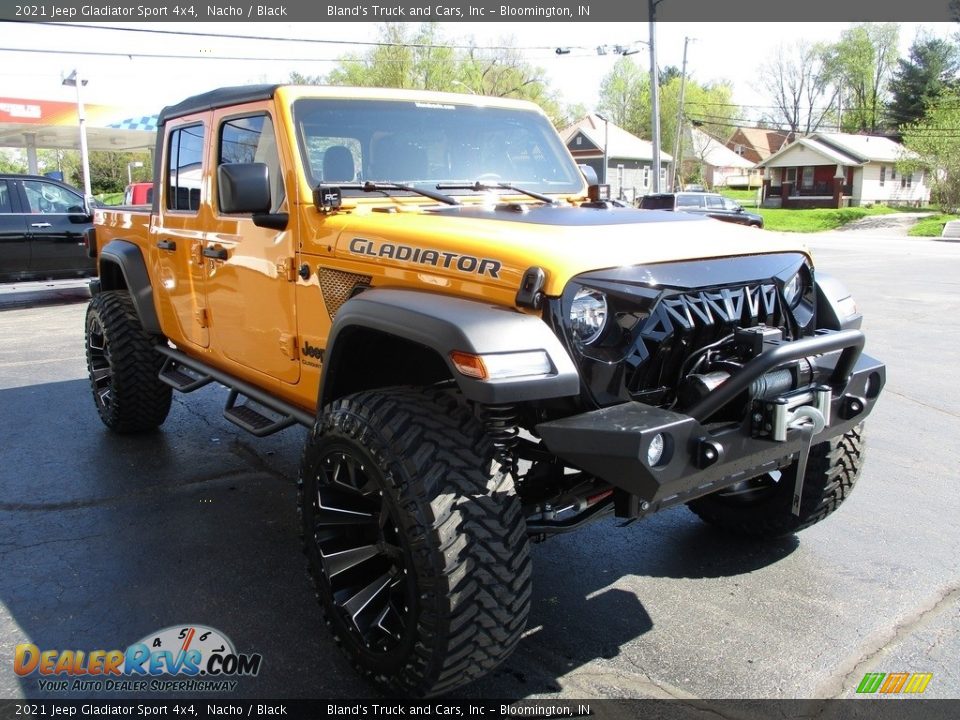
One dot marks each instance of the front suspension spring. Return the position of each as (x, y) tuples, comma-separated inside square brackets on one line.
[(501, 422)]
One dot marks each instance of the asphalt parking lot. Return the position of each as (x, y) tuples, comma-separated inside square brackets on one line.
[(104, 539)]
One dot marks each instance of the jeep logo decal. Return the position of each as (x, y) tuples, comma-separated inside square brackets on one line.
[(311, 351), (424, 256)]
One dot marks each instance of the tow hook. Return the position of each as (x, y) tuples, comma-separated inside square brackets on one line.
[(809, 421)]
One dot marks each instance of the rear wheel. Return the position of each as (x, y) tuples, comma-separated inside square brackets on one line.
[(124, 366), (762, 506), (419, 554)]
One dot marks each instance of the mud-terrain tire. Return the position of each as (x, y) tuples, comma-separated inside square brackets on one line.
[(419, 555), (123, 366), (762, 507)]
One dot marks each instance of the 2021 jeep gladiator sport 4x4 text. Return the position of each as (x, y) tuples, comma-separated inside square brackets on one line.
[(482, 352)]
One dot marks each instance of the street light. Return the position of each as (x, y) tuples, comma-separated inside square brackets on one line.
[(74, 80), (130, 166)]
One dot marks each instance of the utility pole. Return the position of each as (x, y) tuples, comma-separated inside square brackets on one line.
[(654, 95), (677, 159), (840, 107), (76, 80)]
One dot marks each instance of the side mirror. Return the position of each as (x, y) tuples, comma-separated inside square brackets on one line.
[(589, 174), (244, 188), (739, 208)]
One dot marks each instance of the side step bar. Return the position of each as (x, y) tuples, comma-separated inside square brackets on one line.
[(182, 378), (186, 374), (253, 419)]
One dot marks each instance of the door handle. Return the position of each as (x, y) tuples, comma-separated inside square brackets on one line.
[(40, 225), (166, 245), (215, 253)]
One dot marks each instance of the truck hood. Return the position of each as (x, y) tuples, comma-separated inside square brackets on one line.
[(498, 243)]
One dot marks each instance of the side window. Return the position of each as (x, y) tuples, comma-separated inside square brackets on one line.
[(714, 202), (184, 168), (5, 205), (252, 139), (689, 201), (45, 197)]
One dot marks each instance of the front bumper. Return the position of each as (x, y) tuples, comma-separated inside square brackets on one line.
[(702, 457)]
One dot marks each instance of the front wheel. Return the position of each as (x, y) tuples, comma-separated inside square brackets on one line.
[(419, 553), (761, 506)]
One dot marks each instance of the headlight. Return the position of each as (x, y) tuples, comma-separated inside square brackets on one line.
[(588, 315), (794, 289)]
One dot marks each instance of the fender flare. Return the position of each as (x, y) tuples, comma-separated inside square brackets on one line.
[(129, 259), (444, 324), (830, 293)]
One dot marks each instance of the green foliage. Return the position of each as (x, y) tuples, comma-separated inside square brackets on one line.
[(862, 62), (936, 142), (625, 101), (415, 58), (10, 163), (931, 226), (625, 95), (922, 78)]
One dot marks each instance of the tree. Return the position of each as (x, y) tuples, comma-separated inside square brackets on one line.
[(624, 92), (797, 83), (922, 78), (417, 57), (861, 62), (935, 140)]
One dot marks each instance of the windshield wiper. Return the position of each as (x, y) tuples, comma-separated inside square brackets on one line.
[(484, 187), (384, 186)]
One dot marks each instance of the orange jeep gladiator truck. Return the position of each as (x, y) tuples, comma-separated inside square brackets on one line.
[(485, 350)]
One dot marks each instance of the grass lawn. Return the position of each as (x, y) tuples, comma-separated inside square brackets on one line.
[(110, 198), (931, 226), (747, 198), (820, 220)]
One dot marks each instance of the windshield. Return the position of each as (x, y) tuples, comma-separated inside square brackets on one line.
[(347, 142)]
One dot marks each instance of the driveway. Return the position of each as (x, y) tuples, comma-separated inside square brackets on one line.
[(893, 224)]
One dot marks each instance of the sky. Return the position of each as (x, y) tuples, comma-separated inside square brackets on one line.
[(720, 51)]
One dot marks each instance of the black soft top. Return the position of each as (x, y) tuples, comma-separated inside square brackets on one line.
[(221, 97)]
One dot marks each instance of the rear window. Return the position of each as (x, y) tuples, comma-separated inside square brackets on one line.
[(689, 201), (657, 202)]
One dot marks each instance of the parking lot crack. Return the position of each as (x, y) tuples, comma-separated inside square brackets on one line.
[(853, 672), (951, 413)]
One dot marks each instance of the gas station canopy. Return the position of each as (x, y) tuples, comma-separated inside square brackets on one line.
[(32, 124)]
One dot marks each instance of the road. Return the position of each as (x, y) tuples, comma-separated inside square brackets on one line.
[(104, 539)]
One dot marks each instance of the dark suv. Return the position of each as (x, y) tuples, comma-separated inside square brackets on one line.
[(42, 222), (702, 203)]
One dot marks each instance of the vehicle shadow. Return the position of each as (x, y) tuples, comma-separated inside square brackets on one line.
[(580, 611), (105, 539), (39, 294)]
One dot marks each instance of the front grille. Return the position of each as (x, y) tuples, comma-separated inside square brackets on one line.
[(682, 323)]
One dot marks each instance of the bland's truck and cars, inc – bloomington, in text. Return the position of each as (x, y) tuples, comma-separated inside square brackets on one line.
[(485, 350)]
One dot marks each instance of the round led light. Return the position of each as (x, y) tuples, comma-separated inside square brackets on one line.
[(794, 289), (655, 450), (588, 315)]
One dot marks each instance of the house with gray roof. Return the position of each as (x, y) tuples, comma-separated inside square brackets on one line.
[(840, 169), (629, 159)]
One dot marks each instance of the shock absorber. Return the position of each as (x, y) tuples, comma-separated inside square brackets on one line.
[(501, 423)]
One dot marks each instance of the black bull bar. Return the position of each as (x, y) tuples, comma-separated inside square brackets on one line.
[(699, 457)]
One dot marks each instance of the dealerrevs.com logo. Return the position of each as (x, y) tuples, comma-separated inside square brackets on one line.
[(199, 657)]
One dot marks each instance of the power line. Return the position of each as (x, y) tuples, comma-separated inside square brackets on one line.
[(233, 36)]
